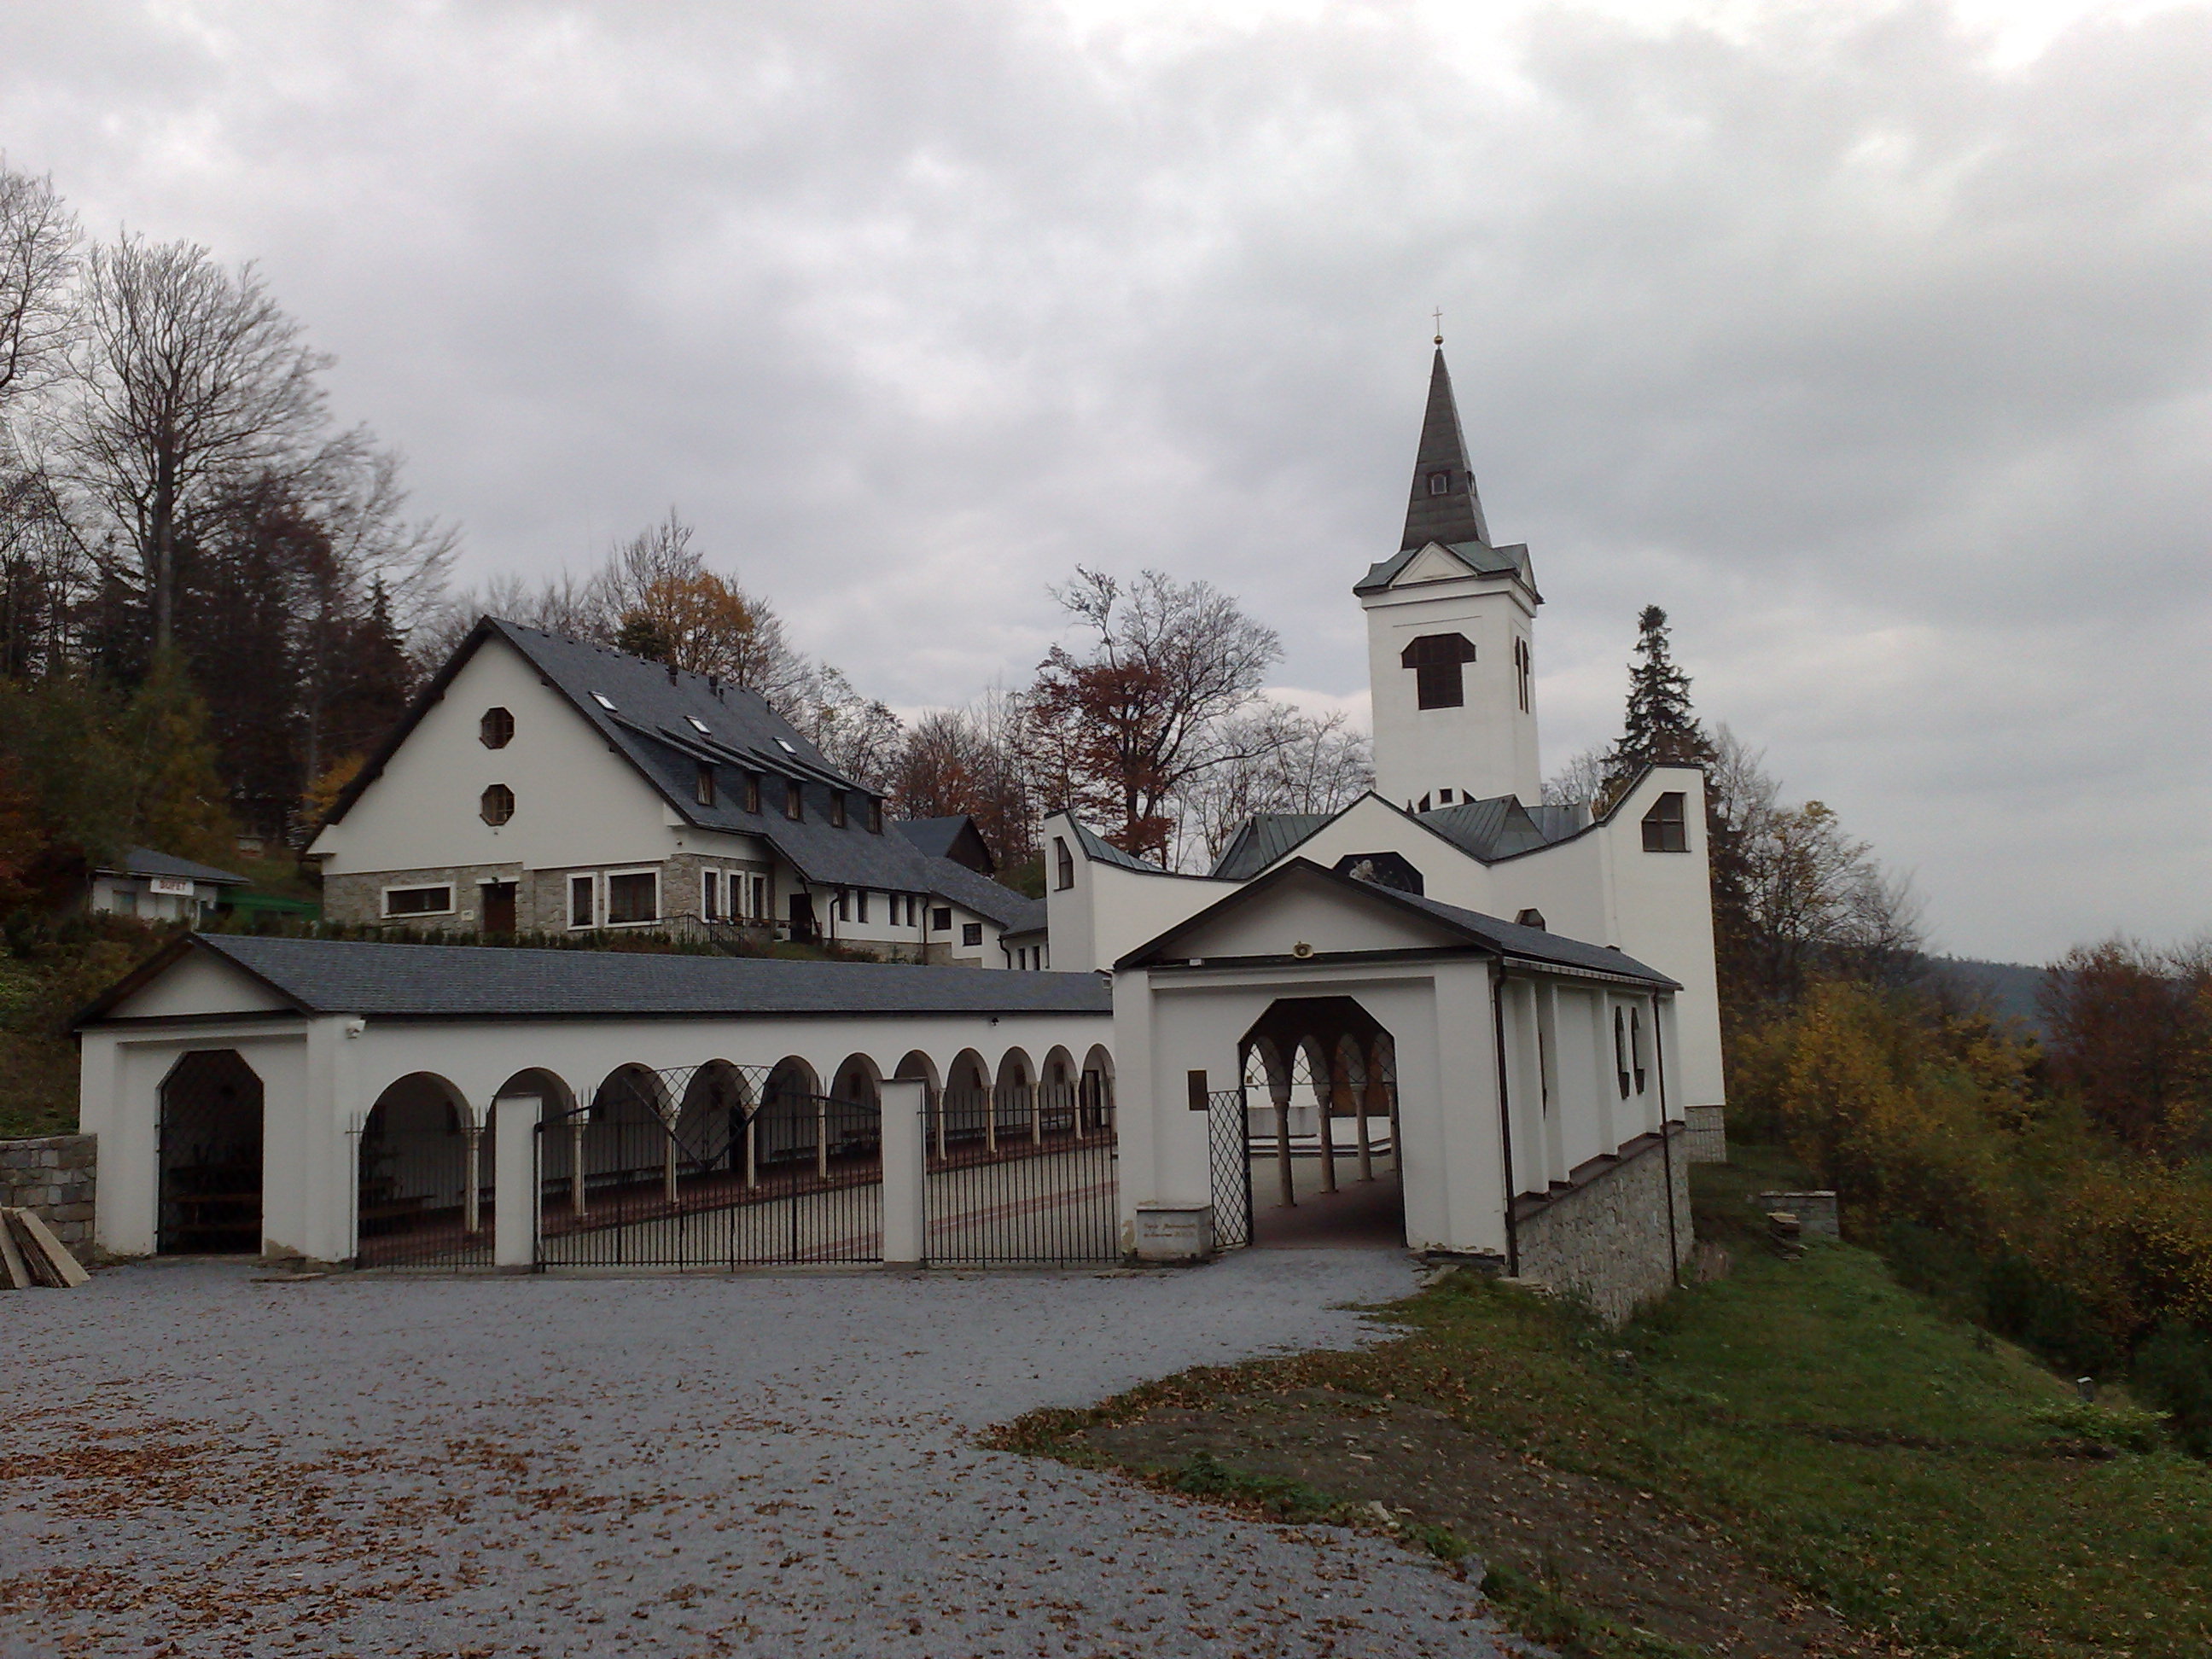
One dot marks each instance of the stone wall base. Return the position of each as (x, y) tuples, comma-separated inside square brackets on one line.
[(1603, 1237), (1708, 1137), (55, 1175)]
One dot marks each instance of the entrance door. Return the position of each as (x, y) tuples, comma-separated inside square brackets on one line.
[(802, 916), (499, 907), (211, 1155)]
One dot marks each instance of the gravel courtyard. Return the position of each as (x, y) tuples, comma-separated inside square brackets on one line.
[(193, 1463)]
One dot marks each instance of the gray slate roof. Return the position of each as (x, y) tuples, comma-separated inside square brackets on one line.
[(1486, 830), (145, 861), (456, 982), (1456, 514), (655, 723), (1099, 850)]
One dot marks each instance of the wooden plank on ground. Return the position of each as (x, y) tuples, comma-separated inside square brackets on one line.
[(70, 1270), (13, 1269)]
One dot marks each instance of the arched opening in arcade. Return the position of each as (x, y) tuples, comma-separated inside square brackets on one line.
[(1321, 1131), (423, 1176), (211, 1155)]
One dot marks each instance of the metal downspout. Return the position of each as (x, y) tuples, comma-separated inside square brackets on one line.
[(1665, 1143), (1506, 1123)]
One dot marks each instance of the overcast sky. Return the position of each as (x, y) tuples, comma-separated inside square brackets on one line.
[(1870, 340)]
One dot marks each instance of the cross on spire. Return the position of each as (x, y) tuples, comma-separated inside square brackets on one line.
[(1439, 315)]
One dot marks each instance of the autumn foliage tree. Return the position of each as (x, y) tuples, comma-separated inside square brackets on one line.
[(2129, 1034)]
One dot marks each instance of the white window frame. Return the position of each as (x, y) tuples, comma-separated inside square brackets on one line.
[(710, 891), (389, 915), (569, 898), (606, 897)]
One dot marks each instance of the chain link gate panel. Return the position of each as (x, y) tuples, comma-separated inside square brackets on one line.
[(1229, 1140)]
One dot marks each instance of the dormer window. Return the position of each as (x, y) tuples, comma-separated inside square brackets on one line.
[(703, 786), (496, 729), (794, 801), (1436, 659), (1439, 484), (836, 809), (1666, 826), (752, 791), (604, 701), (875, 815)]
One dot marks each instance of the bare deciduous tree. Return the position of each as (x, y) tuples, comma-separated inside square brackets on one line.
[(1581, 781), (189, 377), (37, 265), (1147, 709), (1290, 762)]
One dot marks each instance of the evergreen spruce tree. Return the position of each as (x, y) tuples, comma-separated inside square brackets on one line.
[(1660, 725)]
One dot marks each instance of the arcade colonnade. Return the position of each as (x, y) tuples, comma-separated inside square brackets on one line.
[(348, 1119)]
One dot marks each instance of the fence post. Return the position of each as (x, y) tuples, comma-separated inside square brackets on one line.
[(514, 1182), (905, 1149)]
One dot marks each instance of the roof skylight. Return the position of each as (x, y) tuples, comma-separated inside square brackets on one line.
[(602, 700), (786, 745), (698, 725)]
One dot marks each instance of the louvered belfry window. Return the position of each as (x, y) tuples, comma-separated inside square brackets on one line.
[(1436, 659)]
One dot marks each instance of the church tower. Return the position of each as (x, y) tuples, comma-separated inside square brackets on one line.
[(1449, 633)]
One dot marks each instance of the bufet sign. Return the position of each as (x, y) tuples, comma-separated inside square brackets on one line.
[(179, 886)]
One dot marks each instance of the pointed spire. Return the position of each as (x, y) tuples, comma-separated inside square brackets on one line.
[(1445, 507)]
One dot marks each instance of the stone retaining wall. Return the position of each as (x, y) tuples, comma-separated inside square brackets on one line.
[(1604, 1238), (52, 1175)]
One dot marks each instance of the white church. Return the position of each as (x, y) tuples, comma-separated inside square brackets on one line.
[(1490, 1021)]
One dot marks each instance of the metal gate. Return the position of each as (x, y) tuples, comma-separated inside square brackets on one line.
[(1228, 1135), (710, 1167), (1023, 1174)]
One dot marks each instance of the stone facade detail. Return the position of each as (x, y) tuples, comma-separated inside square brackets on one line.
[(53, 1175), (1708, 1137), (1604, 1237)]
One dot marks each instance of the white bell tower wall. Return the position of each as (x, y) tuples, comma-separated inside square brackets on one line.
[(1483, 746)]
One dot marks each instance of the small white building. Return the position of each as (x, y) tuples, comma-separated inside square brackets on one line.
[(158, 887), (547, 784)]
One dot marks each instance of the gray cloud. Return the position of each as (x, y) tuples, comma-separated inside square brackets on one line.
[(1881, 362)]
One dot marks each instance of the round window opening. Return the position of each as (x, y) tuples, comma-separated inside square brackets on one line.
[(496, 729), (498, 803)]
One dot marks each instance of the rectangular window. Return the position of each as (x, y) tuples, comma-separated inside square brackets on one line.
[(710, 894), (836, 809), (752, 791), (703, 786), (1666, 826), (417, 901), (1063, 863), (579, 900), (794, 803), (760, 897), (864, 904), (971, 933), (941, 919), (1636, 1045), (633, 897), (844, 904), (875, 815)]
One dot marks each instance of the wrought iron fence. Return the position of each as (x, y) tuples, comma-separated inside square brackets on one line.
[(423, 1197), (718, 1166), (1023, 1174)]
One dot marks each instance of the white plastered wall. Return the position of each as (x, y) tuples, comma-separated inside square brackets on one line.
[(1110, 911), (576, 802), (1486, 747)]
